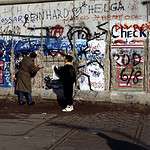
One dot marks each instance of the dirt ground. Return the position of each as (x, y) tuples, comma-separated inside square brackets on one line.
[(81, 107)]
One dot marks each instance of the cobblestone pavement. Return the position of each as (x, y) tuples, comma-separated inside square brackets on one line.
[(102, 126)]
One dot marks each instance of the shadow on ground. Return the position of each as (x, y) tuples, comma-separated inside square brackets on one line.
[(113, 143)]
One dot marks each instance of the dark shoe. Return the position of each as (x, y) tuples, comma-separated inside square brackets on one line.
[(31, 103), (21, 103)]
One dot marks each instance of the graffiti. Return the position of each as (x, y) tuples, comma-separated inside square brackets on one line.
[(26, 19), (81, 36), (136, 41), (135, 59), (78, 10), (53, 44), (47, 15), (104, 31), (134, 75), (105, 7), (7, 75), (55, 31), (129, 67), (117, 17), (1, 72), (10, 20), (81, 33), (26, 45), (9, 30), (5, 47), (116, 6), (128, 31), (95, 73), (92, 78), (124, 33), (128, 61), (81, 75), (19, 46), (142, 27), (58, 13), (55, 14), (96, 52), (120, 41), (26, 28), (90, 49)]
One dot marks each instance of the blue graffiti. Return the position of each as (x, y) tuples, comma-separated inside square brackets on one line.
[(19, 47), (63, 45), (50, 45), (5, 48), (80, 45), (26, 45), (7, 75), (58, 45)]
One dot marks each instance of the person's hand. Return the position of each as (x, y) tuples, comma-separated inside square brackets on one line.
[(55, 67), (40, 67), (14, 78)]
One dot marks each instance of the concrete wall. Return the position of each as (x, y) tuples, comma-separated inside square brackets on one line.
[(108, 39)]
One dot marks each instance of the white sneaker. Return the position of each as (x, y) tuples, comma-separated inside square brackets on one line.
[(71, 107), (68, 108)]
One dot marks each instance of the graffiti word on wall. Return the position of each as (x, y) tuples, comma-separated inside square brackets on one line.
[(130, 33), (129, 67), (53, 12)]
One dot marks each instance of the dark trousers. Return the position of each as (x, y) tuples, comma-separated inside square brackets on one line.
[(64, 95), (60, 96), (22, 95), (68, 94)]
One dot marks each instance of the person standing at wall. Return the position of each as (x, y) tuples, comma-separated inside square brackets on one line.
[(27, 70), (67, 76)]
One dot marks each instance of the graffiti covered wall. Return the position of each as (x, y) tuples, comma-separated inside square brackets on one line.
[(129, 33), (81, 28)]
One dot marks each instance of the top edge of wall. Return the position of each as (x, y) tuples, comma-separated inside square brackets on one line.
[(15, 2)]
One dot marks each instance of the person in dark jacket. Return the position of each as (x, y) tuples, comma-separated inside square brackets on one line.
[(27, 70), (67, 77)]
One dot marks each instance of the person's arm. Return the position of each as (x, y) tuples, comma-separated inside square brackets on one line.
[(34, 69), (74, 75), (59, 71)]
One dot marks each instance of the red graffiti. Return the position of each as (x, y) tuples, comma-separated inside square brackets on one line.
[(142, 27), (119, 41), (136, 41), (56, 31)]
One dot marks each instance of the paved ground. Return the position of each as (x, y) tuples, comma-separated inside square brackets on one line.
[(102, 126)]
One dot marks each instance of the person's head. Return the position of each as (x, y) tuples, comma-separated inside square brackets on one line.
[(33, 55), (68, 58)]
